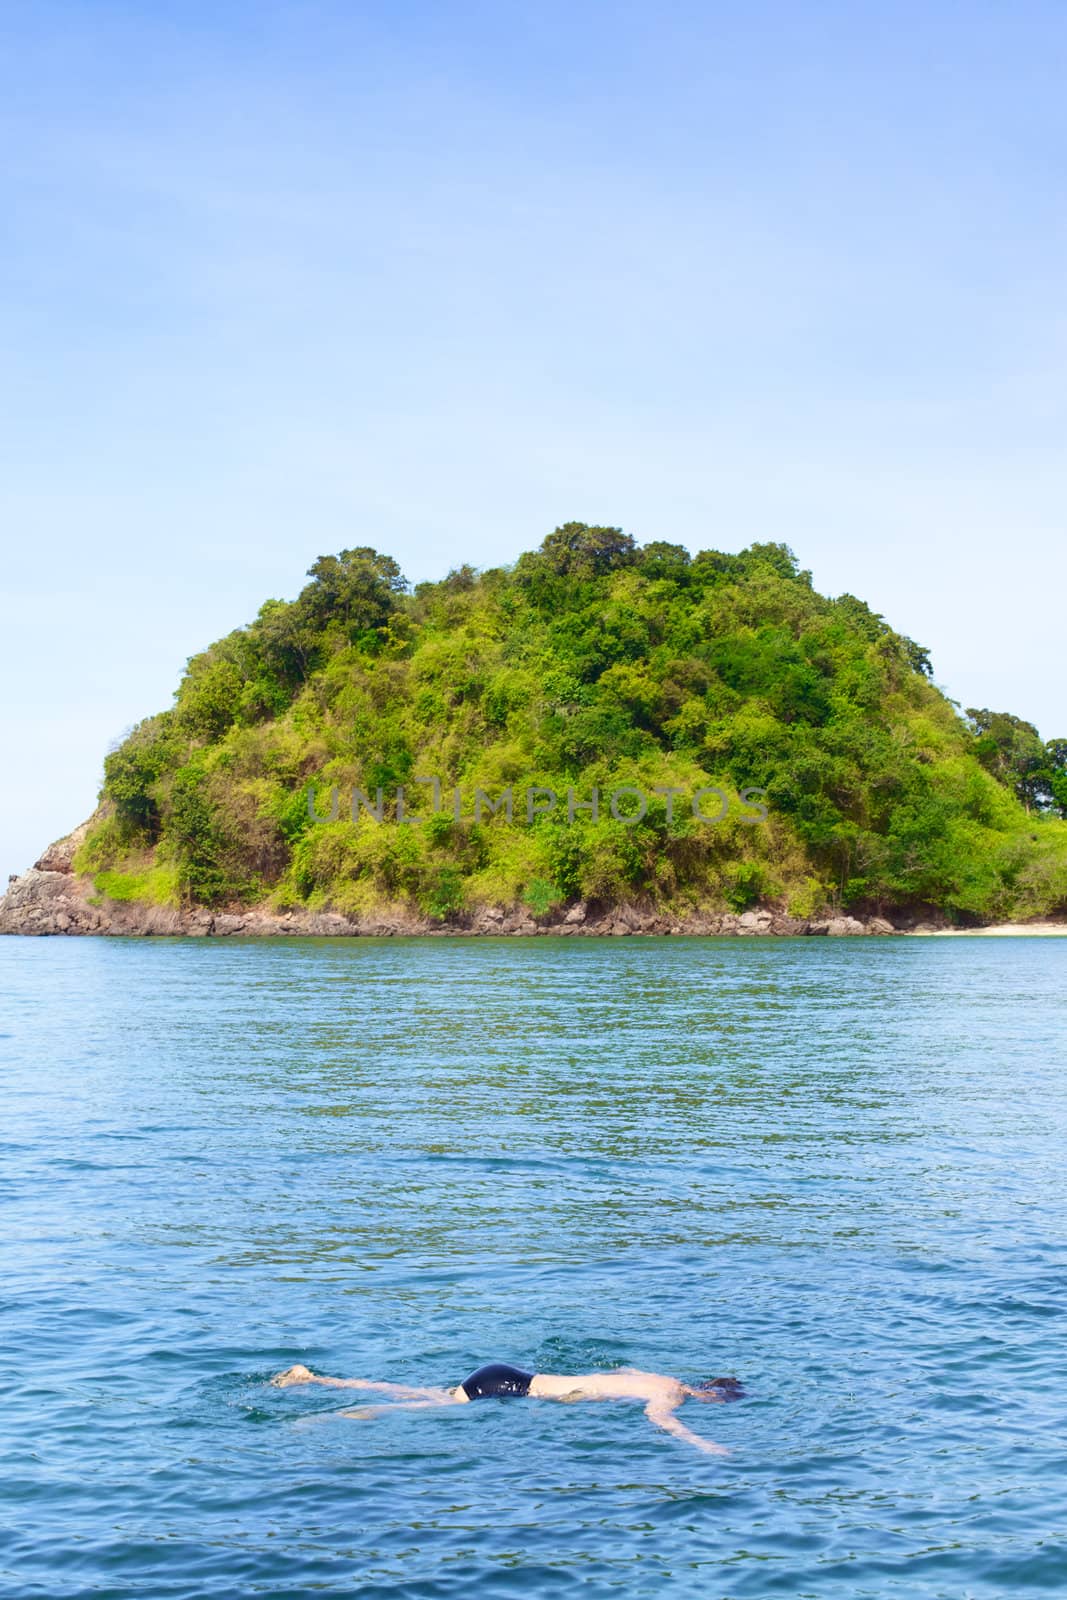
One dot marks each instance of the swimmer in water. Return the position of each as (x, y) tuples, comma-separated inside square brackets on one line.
[(662, 1396)]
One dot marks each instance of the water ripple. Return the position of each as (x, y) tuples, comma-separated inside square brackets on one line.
[(832, 1168)]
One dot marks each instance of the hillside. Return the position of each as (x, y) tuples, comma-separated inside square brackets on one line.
[(591, 662)]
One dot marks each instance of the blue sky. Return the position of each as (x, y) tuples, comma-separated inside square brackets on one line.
[(280, 278)]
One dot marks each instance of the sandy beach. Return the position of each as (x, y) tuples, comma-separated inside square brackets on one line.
[(1029, 930)]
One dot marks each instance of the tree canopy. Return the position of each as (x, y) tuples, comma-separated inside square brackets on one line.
[(592, 660)]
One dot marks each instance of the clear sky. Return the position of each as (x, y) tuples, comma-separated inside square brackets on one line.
[(279, 278)]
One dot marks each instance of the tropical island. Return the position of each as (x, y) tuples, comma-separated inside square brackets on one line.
[(602, 737)]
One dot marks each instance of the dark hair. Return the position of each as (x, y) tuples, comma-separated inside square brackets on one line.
[(717, 1389)]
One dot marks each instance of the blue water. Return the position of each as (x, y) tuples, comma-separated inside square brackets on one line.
[(833, 1168)]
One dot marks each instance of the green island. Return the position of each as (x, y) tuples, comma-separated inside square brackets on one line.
[(590, 662)]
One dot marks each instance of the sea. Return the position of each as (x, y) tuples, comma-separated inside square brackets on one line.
[(831, 1168)]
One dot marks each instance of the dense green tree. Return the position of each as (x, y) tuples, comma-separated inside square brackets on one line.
[(591, 662), (1012, 750), (585, 551), (132, 772), (1052, 778)]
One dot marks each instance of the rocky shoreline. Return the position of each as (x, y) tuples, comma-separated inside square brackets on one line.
[(48, 902), (52, 899)]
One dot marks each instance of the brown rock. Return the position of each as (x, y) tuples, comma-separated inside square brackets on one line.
[(60, 855)]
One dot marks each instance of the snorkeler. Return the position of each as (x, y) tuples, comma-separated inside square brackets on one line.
[(662, 1396)]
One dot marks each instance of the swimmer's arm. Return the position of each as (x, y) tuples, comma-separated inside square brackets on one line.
[(299, 1374), (661, 1414), (403, 1391)]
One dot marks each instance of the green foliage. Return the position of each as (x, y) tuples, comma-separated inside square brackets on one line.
[(157, 885), (807, 898), (196, 836), (1012, 751), (107, 843), (578, 549), (131, 774), (1053, 777), (593, 661), (744, 884), (446, 895), (541, 896)]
